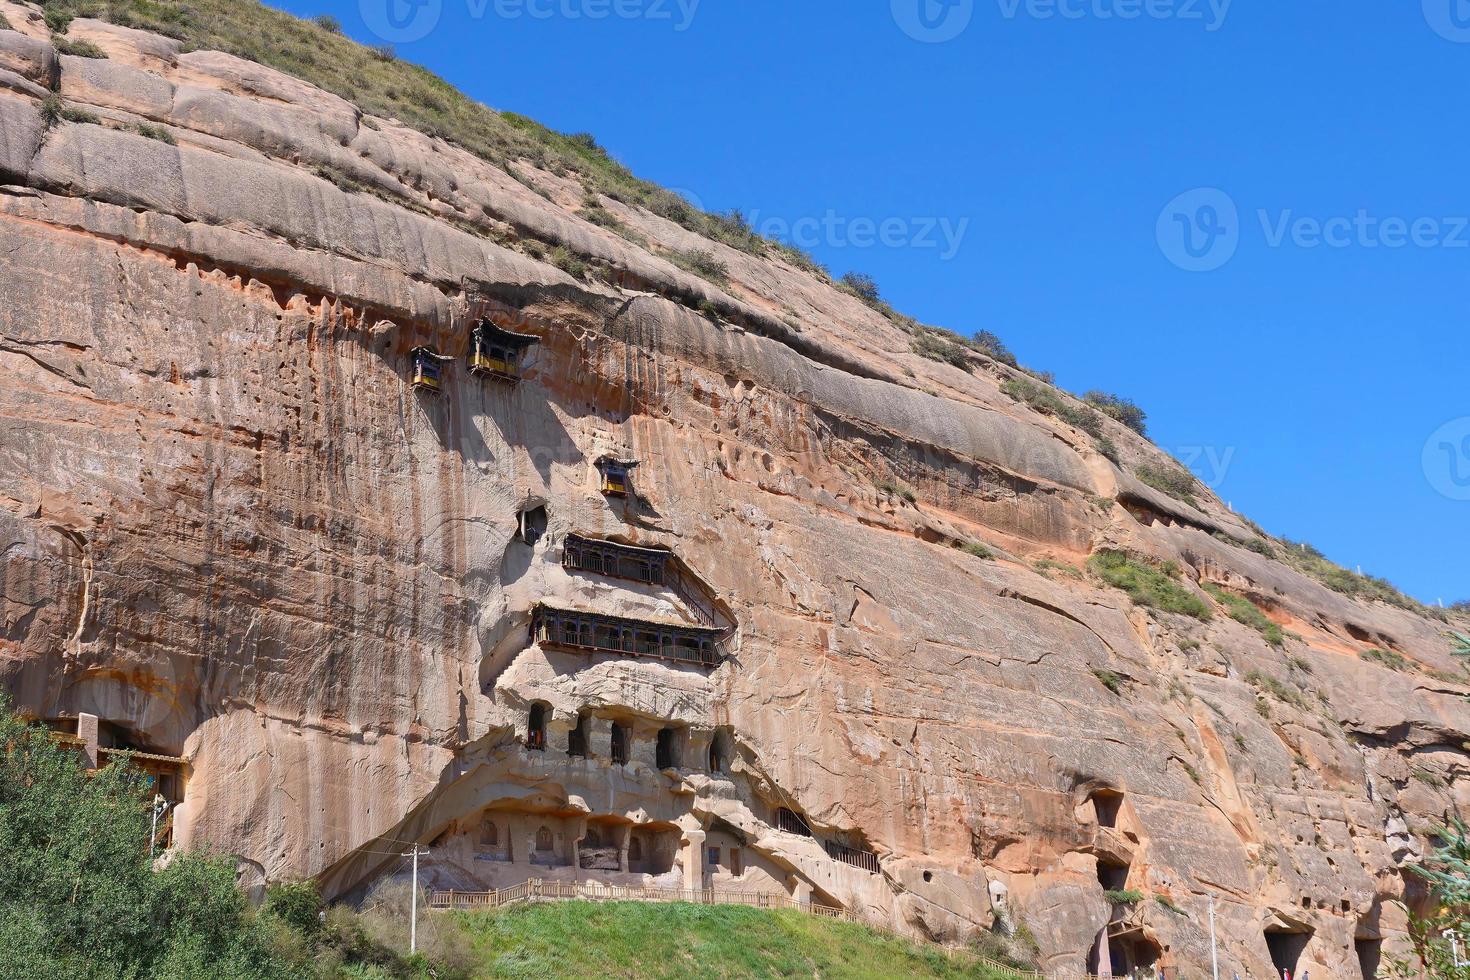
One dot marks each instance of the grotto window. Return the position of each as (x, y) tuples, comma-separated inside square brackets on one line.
[(531, 524), (544, 841), (792, 822), (592, 838), (616, 476), (536, 729), (497, 353), (577, 741), (1370, 954), (1286, 949), (716, 753), (712, 857), (428, 369), (667, 750), (489, 833), (619, 745), (1107, 805)]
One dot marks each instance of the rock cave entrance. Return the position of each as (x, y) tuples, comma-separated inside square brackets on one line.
[(536, 728), (1370, 954), (1111, 875), (619, 745), (1286, 948), (578, 740), (719, 750), (1107, 805), (666, 751), (531, 524)]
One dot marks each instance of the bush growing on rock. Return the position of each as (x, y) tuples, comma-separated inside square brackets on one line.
[(1148, 585), (1176, 481), (1121, 409)]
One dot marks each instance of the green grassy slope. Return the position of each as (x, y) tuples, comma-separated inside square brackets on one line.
[(584, 939)]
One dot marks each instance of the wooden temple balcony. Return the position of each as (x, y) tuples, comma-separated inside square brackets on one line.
[(597, 633), (615, 560)]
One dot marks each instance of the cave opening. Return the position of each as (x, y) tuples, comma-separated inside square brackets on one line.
[(1106, 806), (1370, 954), (1286, 949)]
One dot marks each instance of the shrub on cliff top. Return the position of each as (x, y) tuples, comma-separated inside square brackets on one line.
[(1121, 409), (1050, 401), (79, 49), (1167, 478), (940, 345), (1148, 585), (989, 344)]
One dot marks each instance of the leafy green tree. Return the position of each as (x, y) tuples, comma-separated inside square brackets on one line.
[(1447, 871), (78, 893)]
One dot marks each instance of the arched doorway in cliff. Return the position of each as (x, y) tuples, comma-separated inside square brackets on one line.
[(1124, 951), (619, 745), (536, 728), (1287, 944)]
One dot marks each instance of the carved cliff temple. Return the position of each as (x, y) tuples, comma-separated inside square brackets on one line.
[(595, 633), (497, 353), (428, 370), (100, 743), (616, 476)]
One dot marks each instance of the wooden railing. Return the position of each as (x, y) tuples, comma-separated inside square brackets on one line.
[(858, 858)]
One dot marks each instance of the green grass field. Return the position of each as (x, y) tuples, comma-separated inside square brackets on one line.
[(629, 939)]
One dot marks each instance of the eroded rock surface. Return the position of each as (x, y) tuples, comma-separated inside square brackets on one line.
[(235, 533)]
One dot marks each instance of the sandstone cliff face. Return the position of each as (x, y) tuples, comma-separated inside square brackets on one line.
[(232, 529)]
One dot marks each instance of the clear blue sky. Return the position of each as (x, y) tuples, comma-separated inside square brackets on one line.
[(1318, 374)]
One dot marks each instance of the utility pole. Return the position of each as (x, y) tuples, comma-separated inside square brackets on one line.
[(160, 805), (1214, 948), (413, 903)]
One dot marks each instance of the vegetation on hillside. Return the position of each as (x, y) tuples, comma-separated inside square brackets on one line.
[(1123, 410), (1176, 481), (80, 897), (1242, 610), (1308, 560), (1155, 586), (584, 939)]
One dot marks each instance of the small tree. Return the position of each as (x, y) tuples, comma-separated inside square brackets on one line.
[(988, 343), (1447, 871)]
